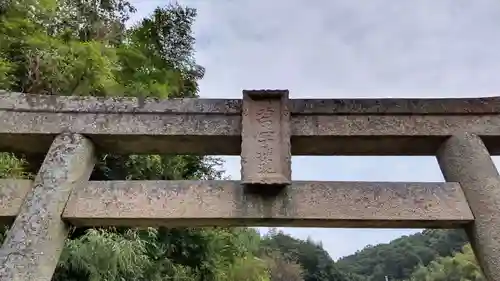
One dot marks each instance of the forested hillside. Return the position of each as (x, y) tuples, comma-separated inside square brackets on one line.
[(82, 47), (432, 255)]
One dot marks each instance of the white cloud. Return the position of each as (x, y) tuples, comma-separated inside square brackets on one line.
[(349, 48)]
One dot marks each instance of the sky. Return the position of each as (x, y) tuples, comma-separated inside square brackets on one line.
[(347, 49)]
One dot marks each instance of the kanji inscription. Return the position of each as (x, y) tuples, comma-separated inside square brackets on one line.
[(265, 148)]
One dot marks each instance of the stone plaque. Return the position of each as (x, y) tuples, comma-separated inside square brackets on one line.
[(265, 147)]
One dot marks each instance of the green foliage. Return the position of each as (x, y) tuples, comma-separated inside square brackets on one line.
[(76, 47), (157, 167), (157, 254), (402, 256), (462, 266), (12, 167), (6, 77), (283, 268), (315, 263), (247, 269), (166, 40), (104, 255)]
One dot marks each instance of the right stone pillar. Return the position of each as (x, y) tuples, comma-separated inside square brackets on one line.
[(465, 159)]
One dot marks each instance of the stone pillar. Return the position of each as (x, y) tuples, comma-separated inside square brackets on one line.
[(465, 159), (34, 243), (265, 147)]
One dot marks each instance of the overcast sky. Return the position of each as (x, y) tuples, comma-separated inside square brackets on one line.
[(335, 49)]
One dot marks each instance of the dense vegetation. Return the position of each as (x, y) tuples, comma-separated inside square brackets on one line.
[(399, 258), (431, 255), (82, 47), (459, 267)]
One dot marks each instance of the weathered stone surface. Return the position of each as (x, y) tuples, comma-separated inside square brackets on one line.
[(213, 127), (265, 145), (52, 103), (12, 194), (464, 158), (74, 104), (33, 132), (34, 243), (124, 133), (142, 203), (311, 204)]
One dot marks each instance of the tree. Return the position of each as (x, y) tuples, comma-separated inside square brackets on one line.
[(462, 266), (315, 262), (81, 47), (249, 269), (399, 258), (284, 269)]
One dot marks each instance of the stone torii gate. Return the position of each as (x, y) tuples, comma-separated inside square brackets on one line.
[(265, 128)]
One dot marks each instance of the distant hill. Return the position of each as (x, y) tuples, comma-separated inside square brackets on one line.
[(401, 257), (316, 263)]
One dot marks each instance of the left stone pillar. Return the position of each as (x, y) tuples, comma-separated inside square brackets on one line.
[(35, 241)]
